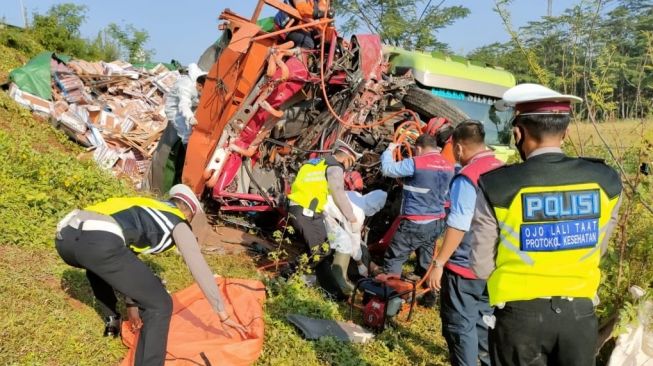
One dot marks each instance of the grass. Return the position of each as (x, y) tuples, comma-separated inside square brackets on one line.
[(619, 135), (49, 315)]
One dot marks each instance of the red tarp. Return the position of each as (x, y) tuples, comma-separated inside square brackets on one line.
[(196, 329)]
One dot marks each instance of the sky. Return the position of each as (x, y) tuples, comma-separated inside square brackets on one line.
[(183, 29)]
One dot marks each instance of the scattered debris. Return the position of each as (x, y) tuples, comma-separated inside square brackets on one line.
[(317, 328), (113, 108)]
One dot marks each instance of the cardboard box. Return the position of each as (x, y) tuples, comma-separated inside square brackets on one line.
[(72, 121), (31, 101), (109, 120)]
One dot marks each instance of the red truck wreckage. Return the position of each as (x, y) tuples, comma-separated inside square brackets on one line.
[(267, 107)]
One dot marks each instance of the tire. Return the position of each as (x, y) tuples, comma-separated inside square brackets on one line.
[(427, 106)]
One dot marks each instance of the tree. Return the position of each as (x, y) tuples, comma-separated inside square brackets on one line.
[(104, 47), (507, 56), (58, 29), (401, 23), (132, 41), (603, 56)]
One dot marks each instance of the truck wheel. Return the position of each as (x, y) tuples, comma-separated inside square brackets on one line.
[(427, 106)]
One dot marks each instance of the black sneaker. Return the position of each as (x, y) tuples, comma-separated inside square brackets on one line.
[(428, 300), (287, 270), (112, 326)]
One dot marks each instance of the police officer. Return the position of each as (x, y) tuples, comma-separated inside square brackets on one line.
[(105, 238), (464, 299), (315, 180), (541, 227)]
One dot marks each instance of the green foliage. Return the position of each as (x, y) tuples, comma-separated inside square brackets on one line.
[(132, 42), (527, 54), (42, 181), (21, 42), (636, 312), (103, 47), (627, 260), (411, 24), (603, 55), (58, 29), (9, 59), (406, 343)]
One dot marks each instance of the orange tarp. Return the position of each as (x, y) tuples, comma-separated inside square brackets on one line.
[(195, 330)]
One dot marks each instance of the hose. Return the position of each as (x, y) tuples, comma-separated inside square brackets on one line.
[(285, 144), (326, 99)]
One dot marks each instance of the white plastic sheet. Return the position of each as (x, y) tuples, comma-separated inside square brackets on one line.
[(344, 237), (635, 347)]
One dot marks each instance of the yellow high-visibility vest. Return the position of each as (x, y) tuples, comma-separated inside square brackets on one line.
[(549, 235), (311, 185), (147, 223)]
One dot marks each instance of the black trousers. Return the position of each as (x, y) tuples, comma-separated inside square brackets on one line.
[(314, 233), (551, 332), (111, 265), (311, 229), (463, 303)]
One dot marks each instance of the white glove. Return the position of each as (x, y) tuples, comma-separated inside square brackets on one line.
[(362, 270), (392, 146)]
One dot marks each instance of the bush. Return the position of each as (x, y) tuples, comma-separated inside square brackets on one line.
[(41, 179), (20, 41)]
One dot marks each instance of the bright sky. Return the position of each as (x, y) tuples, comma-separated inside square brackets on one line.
[(183, 29)]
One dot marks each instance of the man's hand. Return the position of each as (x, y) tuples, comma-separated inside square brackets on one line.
[(392, 146), (228, 322), (193, 121), (435, 278), (352, 220), (134, 317), (241, 329)]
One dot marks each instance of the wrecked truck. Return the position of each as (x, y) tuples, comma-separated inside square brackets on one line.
[(268, 106)]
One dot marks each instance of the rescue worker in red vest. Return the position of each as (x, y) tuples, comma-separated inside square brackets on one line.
[(426, 179), (315, 180), (539, 229), (463, 297), (105, 238)]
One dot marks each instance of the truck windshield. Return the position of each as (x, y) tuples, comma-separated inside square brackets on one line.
[(496, 123)]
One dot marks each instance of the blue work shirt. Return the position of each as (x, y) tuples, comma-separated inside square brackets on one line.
[(463, 204), (400, 169), (396, 169)]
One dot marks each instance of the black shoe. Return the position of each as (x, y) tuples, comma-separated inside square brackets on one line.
[(428, 300), (112, 326), (287, 271)]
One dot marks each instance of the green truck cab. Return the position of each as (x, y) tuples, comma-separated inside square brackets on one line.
[(471, 86)]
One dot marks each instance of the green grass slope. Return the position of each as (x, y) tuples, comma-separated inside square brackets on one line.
[(48, 312)]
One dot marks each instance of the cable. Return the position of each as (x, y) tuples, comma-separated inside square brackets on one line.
[(285, 144), (326, 99)]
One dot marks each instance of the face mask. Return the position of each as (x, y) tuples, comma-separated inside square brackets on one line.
[(519, 144), (458, 154)]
